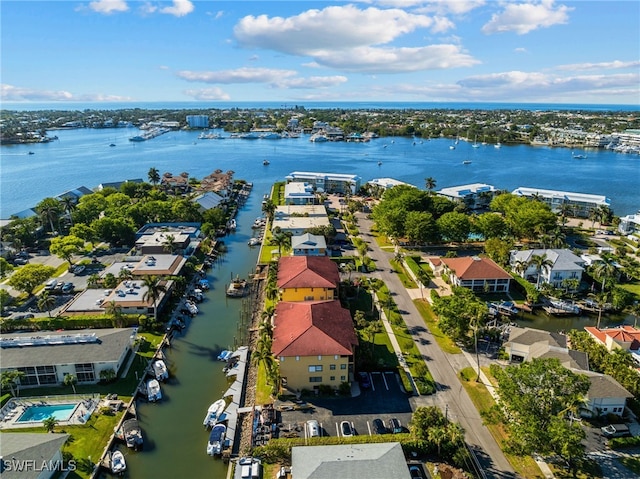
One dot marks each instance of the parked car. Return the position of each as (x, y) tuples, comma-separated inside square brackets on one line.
[(395, 426), (78, 268), (67, 288), (313, 428), (346, 429), (20, 261), (19, 316), (379, 427), (363, 379), (51, 284), (616, 430)]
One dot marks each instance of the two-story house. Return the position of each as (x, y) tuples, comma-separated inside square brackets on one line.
[(307, 278), (476, 273), (563, 264)]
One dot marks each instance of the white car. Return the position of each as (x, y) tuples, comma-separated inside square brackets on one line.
[(346, 429), (313, 428)]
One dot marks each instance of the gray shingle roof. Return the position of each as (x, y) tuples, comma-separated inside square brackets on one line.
[(16, 448)]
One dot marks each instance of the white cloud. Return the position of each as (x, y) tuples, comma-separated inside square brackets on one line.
[(147, 8), (396, 60), (525, 17), (337, 28), (614, 65), (520, 50), (14, 93), (443, 7), (109, 6), (311, 82), (180, 8), (239, 75), (536, 85), (208, 94)]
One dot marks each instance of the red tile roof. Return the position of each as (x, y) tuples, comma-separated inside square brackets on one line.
[(318, 328), (625, 334), (307, 272), (474, 267)]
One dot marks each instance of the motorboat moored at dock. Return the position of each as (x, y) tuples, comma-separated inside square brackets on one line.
[(160, 370), (216, 440), (154, 393), (213, 413)]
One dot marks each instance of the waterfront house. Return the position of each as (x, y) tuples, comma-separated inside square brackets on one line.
[(629, 224), (118, 184), (382, 460), (307, 278), (208, 200), (474, 196), (476, 273), (605, 396), (46, 357), (564, 265), (163, 242), (177, 184), (328, 182), (32, 455), (581, 204), (307, 244), (314, 343), (298, 218), (625, 337), (387, 183), (525, 344), (299, 193)]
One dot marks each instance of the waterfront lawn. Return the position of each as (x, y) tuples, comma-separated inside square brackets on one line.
[(429, 317), (263, 390), (633, 288)]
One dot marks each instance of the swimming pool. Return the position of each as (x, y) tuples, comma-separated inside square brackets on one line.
[(61, 412)]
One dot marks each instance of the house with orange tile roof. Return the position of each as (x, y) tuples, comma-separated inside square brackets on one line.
[(625, 337), (476, 273), (307, 278), (314, 343)]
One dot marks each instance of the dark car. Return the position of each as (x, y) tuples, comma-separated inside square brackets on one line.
[(394, 426), (22, 316), (416, 472), (379, 427), (363, 379), (67, 288)]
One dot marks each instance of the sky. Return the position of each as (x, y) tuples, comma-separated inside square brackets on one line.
[(531, 51)]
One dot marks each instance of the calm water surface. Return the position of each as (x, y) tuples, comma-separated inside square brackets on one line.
[(83, 158)]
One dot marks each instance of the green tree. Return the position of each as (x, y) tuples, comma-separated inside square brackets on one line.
[(46, 302), (84, 232), (154, 176), (70, 380), (50, 424), (49, 210), (490, 225), (107, 375), (457, 312), (153, 292), (542, 264), (5, 267), (114, 310), (282, 239), (532, 396), (29, 276), (269, 209), (430, 183), (606, 272), (499, 250), (420, 227), (65, 247), (454, 226), (11, 379)]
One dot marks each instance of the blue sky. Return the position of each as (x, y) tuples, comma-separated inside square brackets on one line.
[(542, 51)]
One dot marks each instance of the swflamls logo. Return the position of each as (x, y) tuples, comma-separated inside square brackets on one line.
[(26, 465)]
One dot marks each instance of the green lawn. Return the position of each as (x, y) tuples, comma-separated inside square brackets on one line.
[(445, 343)]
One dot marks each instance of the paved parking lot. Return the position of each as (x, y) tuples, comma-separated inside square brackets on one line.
[(385, 400)]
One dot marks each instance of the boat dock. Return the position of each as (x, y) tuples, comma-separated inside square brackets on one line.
[(236, 392)]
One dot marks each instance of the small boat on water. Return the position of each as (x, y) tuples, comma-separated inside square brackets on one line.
[(112, 144), (160, 370), (216, 440), (131, 433), (225, 355), (559, 307), (213, 413), (466, 162), (118, 464), (253, 242), (232, 225), (238, 288), (154, 393), (506, 308), (265, 162), (31, 153)]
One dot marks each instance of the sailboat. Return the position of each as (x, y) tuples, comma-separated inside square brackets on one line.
[(475, 142)]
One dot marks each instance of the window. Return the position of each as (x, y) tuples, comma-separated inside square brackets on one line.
[(297, 358), (315, 379), (332, 378), (281, 359), (343, 378), (319, 358), (308, 298), (343, 366), (315, 369), (85, 373), (332, 367)]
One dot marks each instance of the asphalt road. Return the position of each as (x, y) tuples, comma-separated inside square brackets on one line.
[(451, 396)]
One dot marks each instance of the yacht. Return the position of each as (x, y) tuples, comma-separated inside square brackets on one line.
[(153, 390), (160, 370), (318, 138), (213, 413), (216, 440)]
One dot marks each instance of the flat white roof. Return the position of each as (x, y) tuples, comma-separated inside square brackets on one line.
[(464, 190), (565, 195), (298, 189), (324, 176), (387, 182), (307, 210)]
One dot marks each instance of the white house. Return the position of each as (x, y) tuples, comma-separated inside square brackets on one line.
[(605, 396), (309, 245), (581, 203), (299, 193), (565, 265), (474, 196), (629, 224)]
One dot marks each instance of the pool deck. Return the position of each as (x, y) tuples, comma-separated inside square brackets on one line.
[(11, 412)]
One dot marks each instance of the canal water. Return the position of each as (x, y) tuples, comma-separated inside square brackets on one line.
[(175, 440)]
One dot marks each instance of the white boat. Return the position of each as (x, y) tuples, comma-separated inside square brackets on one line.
[(253, 242), (160, 370), (318, 138), (118, 464), (466, 162), (271, 135), (131, 433), (232, 224), (214, 412), (153, 390), (216, 439), (498, 145)]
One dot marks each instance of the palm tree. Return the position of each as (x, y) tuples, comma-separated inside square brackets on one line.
[(520, 266), (281, 239), (115, 311), (68, 205), (49, 210), (50, 423), (269, 208), (10, 379), (430, 183), (169, 243), (542, 263), (604, 271), (437, 435), (154, 176), (564, 209), (153, 292), (46, 302), (70, 380), (93, 280)]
